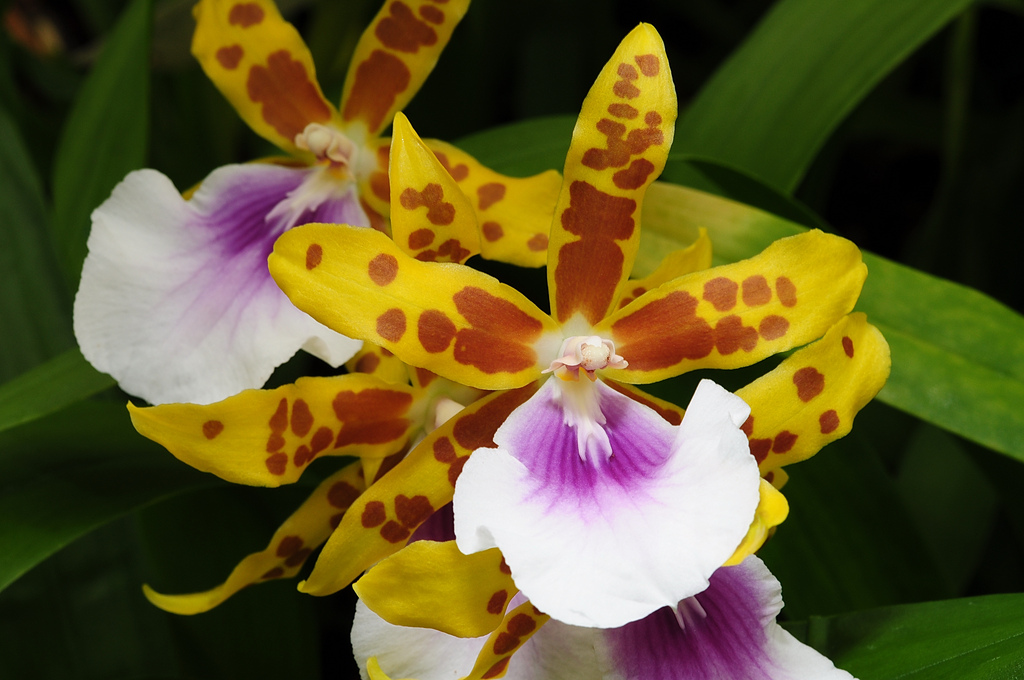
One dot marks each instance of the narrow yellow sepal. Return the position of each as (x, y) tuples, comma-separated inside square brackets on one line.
[(431, 219), (619, 146), (812, 397), (772, 510), (455, 321), (381, 522), (514, 213), (374, 671), (738, 314), (694, 258), (431, 584), (262, 66), (268, 437), (381, 364), (295, 539), (518, 626), (394, 56)]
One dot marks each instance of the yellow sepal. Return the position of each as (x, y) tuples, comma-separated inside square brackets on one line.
[(394, 56), (694, 258), (518, 626), (812, 397), (738, 314), (381, 522), (307, 528), (450, 319), (431, 219), (431, 584), (514, 213), (261, 65), (381, 364), (619, 146), (374, 671), (268, 437), (772, 510)]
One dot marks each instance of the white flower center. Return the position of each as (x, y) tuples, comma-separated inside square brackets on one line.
[(326, 143), (588, 352)]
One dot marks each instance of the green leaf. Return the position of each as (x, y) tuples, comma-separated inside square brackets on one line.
[(33, 303), (978, 638), (105, 135), (523, 148), (63, 476), (771, 106), (48, 388)]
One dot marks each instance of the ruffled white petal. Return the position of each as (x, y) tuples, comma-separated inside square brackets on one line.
[(602, 541), (176, 302)]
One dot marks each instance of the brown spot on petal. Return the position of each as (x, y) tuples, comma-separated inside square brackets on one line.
[(476, 430), (444, 451), (289, 545), (759, 448), (492, 313), (302, 418), (435, 331), (245, 15), (212, 428), (538, 242), (432, 14), (458, 172), (497, 669), (277, 464), (424, 377), (521, 624), (649, 64), (756, 291), (721, 292), (367, 363), (302, 456), (492, 232), (628, 72), (393, 532), (373, 515), (279, 421), (298, 558), (504, 568), (321, 440), (421, 238), (490, 193), (848, 346), (773, 327), (342, 495), (731, 335), (828, 421), (379, 80), (748, 426), (402, 31), (383, 269), (621, 110), (276, 572), (784, 441), (439, 212), (412, 511), (496, 604), (635, 176), (314, 256), (274, 442), (809, 383), (626, 90), (391, 324), (289, 99), (786, 291), (682, 334), (652, 118), (229, 57), (618, 148)]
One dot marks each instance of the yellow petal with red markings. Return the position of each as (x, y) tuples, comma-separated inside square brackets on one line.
[(260, 63), (393, 58), (381, 364), (811, 398), (518, 626), (268, 437), (738, 314), (381, 522), (619, 147), (431, 219), (514, 212), (307, 528), (772, 510), (450, 319), (374, 187), (694, 258), (430, 584)]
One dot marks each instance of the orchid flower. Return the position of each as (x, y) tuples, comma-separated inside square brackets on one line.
[(567, 460), (175, 300)]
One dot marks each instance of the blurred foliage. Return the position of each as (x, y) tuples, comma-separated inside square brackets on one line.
[(897, 124)]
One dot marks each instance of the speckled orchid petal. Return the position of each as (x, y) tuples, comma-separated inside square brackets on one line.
[(376, 361), (261, 65), (601, 540), (384, 518), (694, 258), (176, 302), (772, 510), (374, 186), (619, 147), (738, 314), (292, 543), (269, 437), (514, 213), (517, 629), (812, 397), (431, 219), (431, 584), (393, 58), (452, 320)]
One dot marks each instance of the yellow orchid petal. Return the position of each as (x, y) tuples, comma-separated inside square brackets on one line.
[(514, 212), (738, 314), (394, 56), (375, 188), (431, 219), (772, 510), (374, 671), (452, 320), (260, 63), (383, 519), (518, 626), (307, 528), (380, 363), (268, 437), (812, 397), (431, 584), (694, 258), (619, 147)]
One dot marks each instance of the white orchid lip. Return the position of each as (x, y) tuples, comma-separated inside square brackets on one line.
[(588, 352), (326, 143)]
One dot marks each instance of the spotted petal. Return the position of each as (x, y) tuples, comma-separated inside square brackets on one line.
[(268, 437), (604, 540), (738, 314), (431, 219), (813, 396), (452, 320), (393, 58), (292, 543), (384, 518), (694, 258), (176, 302), (619, 147), (260, 63)]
